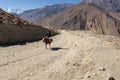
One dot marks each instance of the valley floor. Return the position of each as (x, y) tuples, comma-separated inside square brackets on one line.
[(75, 55)]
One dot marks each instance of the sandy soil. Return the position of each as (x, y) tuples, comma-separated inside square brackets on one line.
[(75, 55)]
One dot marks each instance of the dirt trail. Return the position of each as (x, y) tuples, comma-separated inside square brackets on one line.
[(75, 55)]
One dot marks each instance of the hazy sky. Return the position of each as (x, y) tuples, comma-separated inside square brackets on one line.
[(31, 4)]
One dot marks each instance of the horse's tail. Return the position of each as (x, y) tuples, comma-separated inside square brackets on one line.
[(51, 40)]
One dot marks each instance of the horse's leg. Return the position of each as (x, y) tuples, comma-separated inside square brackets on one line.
[(45, 45), (49, 45)]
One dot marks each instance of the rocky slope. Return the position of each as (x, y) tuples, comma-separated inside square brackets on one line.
[(109, 5), (84, 16), (40, 13), (6, 18), (14, 30)]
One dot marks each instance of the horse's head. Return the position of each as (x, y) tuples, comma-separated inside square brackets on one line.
[(44, 39)]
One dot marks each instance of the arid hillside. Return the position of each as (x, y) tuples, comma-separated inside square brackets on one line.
[(14, 30), (84, 16)]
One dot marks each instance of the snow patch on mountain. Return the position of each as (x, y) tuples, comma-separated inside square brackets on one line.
[(17, 11)]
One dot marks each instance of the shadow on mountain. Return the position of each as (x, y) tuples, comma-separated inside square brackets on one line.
[(15, 35)]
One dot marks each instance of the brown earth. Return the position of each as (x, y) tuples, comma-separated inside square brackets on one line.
[(75, 55)]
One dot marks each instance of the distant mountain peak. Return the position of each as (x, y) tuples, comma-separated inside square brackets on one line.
[(17, 11)]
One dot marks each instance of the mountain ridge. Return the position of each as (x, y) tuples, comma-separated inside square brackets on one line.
[(109, 5), (40, 13)]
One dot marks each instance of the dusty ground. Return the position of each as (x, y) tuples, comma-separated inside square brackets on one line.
[(75, 55)]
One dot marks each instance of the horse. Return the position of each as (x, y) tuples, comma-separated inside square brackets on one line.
[(46, 40)]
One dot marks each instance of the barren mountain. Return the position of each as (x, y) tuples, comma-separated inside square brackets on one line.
[(109, 5), (40, 13), (14, 30), (84, 16)]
